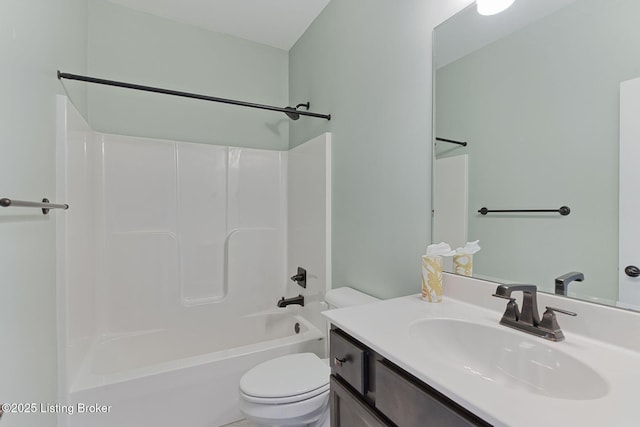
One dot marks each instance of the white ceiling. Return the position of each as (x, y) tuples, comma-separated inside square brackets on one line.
[(277, 23)]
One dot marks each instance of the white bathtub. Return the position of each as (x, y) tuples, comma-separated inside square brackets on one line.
[(182, 378)]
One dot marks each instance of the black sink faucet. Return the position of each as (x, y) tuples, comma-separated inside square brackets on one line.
[(529, 319), (529, 314), (294, 300), (562, 282)]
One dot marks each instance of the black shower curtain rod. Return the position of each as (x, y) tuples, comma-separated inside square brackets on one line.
[(290, 111), (452, 141)]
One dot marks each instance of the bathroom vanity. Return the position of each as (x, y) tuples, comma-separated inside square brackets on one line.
[(369, 390), (407, 362)]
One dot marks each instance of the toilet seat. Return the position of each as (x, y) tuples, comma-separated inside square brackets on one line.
[(286, 379), (285, 399)]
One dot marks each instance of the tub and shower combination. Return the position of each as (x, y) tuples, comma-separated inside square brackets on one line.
[(171, 260)]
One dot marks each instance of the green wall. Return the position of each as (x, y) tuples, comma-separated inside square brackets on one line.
[(540, 111), (369, 65), (137, 47), (36, 38)]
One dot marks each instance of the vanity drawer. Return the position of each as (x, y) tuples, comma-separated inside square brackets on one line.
[(408, 403), (348, 360)]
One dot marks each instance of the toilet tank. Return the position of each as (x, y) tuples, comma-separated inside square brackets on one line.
[(346, 297)]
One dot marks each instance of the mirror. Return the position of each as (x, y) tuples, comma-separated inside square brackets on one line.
[(536, 93)]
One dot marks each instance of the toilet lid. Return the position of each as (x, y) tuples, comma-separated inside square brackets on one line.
[(285, 376)]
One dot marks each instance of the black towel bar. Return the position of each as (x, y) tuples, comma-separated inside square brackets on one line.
[(564, 210)]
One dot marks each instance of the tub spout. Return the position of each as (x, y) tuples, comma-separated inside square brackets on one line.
[(294, 300)]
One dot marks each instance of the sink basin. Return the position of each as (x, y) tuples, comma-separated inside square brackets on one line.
[(507, 357)]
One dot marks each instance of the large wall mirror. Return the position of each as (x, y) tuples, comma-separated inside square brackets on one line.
[(542, 94)]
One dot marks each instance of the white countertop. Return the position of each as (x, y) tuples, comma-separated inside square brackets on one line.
[(384, 327)]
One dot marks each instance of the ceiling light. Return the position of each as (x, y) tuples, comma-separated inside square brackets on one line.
[(491, 7)]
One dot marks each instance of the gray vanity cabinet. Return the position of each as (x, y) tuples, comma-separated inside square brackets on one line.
[(348, 410), (369, 390)]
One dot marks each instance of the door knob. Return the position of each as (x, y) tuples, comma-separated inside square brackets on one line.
[(632, 271)]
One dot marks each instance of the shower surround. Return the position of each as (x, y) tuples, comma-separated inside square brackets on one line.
[(171, 260)]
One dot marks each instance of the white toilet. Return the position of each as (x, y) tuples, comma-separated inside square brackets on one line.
[(293, 390)]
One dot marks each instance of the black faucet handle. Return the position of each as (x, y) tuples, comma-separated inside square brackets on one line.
[(503, 297), (300, 277), (559, 310), (512, 312), (549, 323)]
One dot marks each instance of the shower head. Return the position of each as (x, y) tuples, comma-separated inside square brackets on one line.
[(292, 111), (292, 114)]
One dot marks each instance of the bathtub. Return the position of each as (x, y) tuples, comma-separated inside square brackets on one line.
[(181, 377)]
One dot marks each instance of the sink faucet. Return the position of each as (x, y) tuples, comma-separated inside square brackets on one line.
[(529, 314), (563, 281), (529, 319), (294, 300)]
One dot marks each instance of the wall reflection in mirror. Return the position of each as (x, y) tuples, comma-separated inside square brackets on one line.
[(535, 91)]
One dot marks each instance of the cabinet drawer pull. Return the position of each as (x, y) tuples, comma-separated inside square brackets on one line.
[(339, 362)]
